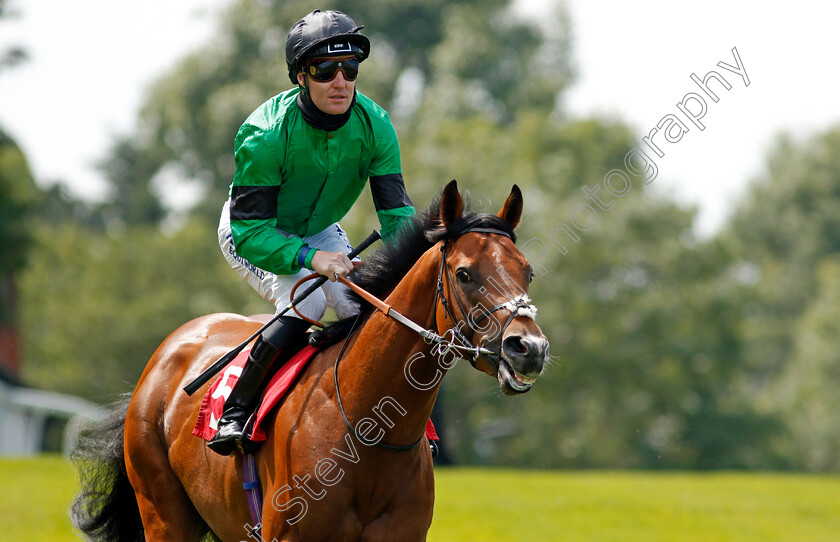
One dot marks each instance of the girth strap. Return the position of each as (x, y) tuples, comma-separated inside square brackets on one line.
[(253, 493)]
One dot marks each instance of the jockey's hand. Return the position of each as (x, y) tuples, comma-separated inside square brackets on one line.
[(331, 264)]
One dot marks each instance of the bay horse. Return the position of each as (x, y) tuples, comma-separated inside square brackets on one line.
[(346, 457)]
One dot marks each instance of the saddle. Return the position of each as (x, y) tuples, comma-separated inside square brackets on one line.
[(212, 405)]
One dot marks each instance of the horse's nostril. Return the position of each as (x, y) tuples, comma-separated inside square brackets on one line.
[(515, 346)]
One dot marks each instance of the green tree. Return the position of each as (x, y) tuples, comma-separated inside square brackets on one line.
[(18, 198), (643, 318), (787, 231), (807, 388), (59, 206), (132, 200), (98, 304)]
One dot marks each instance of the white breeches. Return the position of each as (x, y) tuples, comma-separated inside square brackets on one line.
[(276, 288)]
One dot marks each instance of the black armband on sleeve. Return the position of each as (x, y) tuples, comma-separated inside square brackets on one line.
[(389, 192), (253, 202)]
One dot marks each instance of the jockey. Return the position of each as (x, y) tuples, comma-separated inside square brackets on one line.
[(302, 160)]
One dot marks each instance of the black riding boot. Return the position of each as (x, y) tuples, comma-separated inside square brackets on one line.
[(277, 343)]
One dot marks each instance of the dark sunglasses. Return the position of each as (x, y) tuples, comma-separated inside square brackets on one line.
[(325, 70)]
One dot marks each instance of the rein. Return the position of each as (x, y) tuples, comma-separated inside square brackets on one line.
[(428, 335)]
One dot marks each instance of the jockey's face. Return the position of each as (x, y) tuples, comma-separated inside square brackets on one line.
[(332, 97)]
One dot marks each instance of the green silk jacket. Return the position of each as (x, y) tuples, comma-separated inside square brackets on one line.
[(293, 180)]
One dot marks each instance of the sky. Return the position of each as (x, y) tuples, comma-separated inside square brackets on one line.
[(634, 62)]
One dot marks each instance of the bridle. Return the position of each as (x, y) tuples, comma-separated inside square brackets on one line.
[(520, 305)]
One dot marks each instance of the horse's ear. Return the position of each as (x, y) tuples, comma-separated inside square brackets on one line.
[(512, 210), (451, 204)]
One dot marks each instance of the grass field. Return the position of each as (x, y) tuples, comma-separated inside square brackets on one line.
[(531, 506)]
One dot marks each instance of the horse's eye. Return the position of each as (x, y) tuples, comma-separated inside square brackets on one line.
[(463, 276)]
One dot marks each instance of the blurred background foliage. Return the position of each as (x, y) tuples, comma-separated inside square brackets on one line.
[(671, 351)]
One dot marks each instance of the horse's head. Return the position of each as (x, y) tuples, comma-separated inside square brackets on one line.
[(484, 280)]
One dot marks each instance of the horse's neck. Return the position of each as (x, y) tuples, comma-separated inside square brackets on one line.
[(389, 364)]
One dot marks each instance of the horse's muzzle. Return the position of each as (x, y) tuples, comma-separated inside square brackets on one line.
[(522, 361), (526, 354)]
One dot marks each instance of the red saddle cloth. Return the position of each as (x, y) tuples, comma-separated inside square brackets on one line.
[(207, 423)]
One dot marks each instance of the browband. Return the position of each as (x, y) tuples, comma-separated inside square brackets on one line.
[(489, 230)]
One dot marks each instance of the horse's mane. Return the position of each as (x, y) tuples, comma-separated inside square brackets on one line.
[(385, 268)]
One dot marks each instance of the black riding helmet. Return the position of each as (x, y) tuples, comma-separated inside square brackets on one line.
[(323, 33)]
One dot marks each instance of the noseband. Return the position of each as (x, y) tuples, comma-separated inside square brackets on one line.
[(520, 305)]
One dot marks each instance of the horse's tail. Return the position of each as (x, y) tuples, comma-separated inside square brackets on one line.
[(105, 508)]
